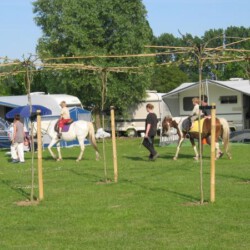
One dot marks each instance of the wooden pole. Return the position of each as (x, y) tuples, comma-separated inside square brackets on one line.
[(39, 155), (114, 143), (212, 170), (199, 122)]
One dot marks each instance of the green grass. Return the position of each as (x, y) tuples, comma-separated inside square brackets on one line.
[(153, 205)]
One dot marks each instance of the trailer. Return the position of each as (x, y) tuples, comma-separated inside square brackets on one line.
[(134, 123), (232, 99), (50, 101)]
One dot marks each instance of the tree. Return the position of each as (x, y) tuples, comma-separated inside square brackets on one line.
[(91, 27), (166, 78), (219, 38), (11, 84)]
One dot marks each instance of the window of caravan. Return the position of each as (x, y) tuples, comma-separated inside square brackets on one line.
[(188, 104), (228, 99)]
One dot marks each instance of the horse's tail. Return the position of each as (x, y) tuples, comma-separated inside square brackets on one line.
[(92, 138), (225, 135)]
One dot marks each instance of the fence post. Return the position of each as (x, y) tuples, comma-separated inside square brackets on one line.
[(39, 155), (114, 143), (212, 169)]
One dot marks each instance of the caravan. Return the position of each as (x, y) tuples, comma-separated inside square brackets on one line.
[(134, 124), (232, 99), (51, 102)]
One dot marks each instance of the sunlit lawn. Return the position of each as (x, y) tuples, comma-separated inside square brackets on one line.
[(154, 205)]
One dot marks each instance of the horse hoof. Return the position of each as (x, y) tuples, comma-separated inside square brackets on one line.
[(221, 154), (175, 158)]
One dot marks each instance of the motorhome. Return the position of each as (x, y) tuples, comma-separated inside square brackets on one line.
[(232, 100), (134, 123), (50, 101)]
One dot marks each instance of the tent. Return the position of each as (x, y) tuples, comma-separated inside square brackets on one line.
[(77, 113)]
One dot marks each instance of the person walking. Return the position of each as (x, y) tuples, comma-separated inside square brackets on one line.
[(17, 150), (150, 131)]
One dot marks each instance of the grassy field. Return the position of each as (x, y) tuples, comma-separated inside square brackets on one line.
[(154, 205)]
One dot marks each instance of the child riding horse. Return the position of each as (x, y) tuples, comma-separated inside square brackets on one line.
[(222, 130)]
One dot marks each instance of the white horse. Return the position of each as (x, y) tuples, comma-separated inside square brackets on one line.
[(77, 130)]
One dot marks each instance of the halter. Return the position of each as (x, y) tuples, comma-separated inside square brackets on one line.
[(43, 131)]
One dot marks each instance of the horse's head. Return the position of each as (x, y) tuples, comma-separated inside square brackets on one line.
[(166, 124), (45, 127)]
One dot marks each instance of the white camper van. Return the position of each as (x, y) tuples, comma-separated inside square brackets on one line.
[(51, 102), (134, 124), (232, 99)]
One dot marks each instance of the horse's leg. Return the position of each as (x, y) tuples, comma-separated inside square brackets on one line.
[(82, 147), (58, 147), (178, 148), (53, 141), (219, 153), (196, 157)]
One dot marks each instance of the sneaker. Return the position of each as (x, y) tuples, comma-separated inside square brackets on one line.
[(15, 161), (21, 161), (155, 156), (150, 156)]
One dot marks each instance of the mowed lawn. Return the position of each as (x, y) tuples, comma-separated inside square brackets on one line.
[(154, 205)]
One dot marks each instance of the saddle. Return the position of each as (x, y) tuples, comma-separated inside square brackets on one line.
[(65, 127), (187, 124)]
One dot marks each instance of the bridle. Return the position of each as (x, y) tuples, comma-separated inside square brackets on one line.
[(43, 131), (169, 122)]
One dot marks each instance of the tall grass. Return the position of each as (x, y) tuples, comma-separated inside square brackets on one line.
[(154, 205)]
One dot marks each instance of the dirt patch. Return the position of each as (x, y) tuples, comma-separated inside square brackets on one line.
[(107, 181), (27, 203), (194, 203), (245, 182)]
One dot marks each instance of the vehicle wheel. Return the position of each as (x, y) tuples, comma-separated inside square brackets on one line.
[(131, 133)]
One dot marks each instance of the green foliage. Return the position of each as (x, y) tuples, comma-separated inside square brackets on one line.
[(167, 78), (91, 27), (154, 205), (12, 84), (188, 63)]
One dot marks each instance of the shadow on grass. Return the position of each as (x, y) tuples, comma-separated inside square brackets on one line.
[(18, 190), (164, 156), (92, 176), (136, 158), (237, 178), (182, 195)]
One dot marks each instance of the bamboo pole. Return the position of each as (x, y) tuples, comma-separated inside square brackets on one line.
[(212, 169), (199, 122), (39, 155), (114, 143)]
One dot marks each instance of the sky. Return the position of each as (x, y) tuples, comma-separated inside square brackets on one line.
[(19, 33)]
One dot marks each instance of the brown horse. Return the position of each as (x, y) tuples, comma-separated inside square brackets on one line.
[(222, 131)]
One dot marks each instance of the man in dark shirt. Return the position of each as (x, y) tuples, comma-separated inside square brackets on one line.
[(150, 131), (206, 112)]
